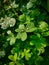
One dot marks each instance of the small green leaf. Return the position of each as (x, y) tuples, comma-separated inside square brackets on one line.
[(45, 33), (18, 30), (12, 40), (42, 50), (23, 36), (18, 36), (14, 5), (12, 22), (30, 27), (43, 25), (27, 54), (22, 18), (22, 54), (11, 63), (31, 43), (28, 19), (7, 22), (9, 32), (2, 53), (39, 42), (11, 57), (29, 5), (21, 26), (34, 13), (15, 57)]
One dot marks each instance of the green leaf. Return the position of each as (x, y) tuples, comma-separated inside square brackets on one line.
[(22, 18), (17, 30), (15, 57), (21, 26), (31, 43), (28, 19), (22, 54), (14, 5), (43, 25), (11, 57), (2, 53), (34, 13), (38, 42), (30, 27), (42, 50), (45, 33), (12, 40), (9, 32), (7, 22), (29, 5), (11, 63), (23, 36), (18, 36), (27, 54), (12, 22)]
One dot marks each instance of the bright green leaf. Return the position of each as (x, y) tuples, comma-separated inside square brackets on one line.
[(11, 63), (11, 57), (22, 18), (15, 57)]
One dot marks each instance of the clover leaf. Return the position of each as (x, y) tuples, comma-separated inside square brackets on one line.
[(13, 58), (38, 42), (22, 30)]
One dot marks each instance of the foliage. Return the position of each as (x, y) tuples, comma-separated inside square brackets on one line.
[(24, 32)]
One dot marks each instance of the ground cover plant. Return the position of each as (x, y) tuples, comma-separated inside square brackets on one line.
[(24, 32)]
